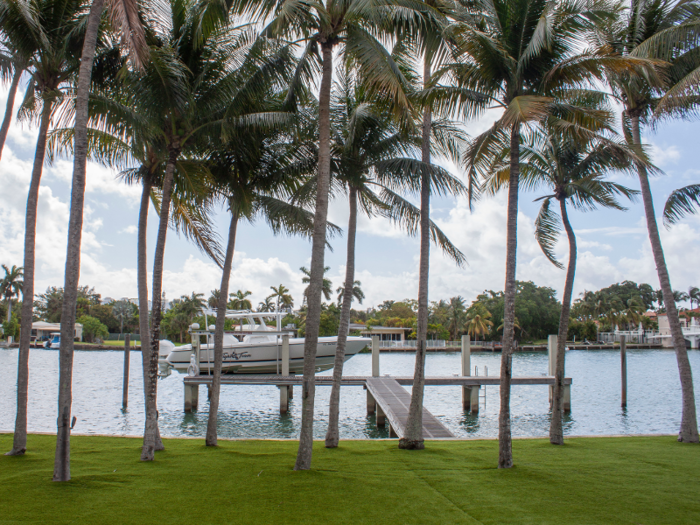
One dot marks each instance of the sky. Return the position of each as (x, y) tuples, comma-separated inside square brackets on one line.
[(613, 245)]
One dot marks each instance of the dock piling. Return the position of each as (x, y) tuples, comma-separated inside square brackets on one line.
[(284, 389), (552, 355), (467, 371), (375, 356), (623, 370), (125, 386), (191, 397), (381, 417)]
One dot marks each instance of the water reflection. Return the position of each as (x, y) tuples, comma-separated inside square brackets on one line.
[(253, 411)]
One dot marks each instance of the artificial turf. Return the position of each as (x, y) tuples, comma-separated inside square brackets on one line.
[(635, 480)]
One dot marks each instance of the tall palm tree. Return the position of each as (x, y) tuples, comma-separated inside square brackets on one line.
[(572, 171), (11, 286), (239, 302), (12, 66), (533, 51), (257, 172), (183, 97), (355, 24), (50, 33), (694, 296), (658, 29), (124, 15), (372, 161)]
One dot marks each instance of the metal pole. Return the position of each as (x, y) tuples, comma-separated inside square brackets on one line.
[(623, 370), (125, 387)]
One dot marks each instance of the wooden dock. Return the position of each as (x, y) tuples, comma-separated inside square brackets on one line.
[(386, 397)]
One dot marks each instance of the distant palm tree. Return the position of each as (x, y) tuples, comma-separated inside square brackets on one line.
[(122, 310), (456, 317), (213, 300), (357, 292), (327, 287), (11, 286), (266, 305), (694, 296), (239, 302), (478, 324), (281, 295)]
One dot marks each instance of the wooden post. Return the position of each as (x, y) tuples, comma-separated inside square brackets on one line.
[(375, 356), (474, 399), (191, 397), (381, 417), (284, 389), (371, 403), (623, 369), (125, 386), (567, 398), (466, 371), (552, 354)]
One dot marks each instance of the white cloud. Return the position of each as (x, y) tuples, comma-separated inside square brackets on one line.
[(664, 155), (133, 229)]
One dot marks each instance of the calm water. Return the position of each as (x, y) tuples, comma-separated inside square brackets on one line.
[(654, 397)]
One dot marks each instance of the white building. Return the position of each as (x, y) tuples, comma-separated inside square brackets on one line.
[(43, 330)]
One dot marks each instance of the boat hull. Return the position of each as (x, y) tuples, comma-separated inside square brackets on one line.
[(264, 357)]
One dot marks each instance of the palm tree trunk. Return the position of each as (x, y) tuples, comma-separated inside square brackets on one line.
[(61, 469), (413, 436), (9, 309), (332, 435), (505, 449), (151, 430), (211, 439), (142, 280), (689, 424), (318, 247), (9, 108), (19, 443), (556, 431)]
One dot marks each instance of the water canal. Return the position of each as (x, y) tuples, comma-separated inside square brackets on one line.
[(654, 397)]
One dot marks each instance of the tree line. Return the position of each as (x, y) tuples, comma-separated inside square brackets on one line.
[(269, 108)]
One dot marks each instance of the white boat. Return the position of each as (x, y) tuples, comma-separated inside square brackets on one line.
[(254, 348)]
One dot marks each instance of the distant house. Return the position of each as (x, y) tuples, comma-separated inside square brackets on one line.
[(43, 330), (387, 333), (665, 328)]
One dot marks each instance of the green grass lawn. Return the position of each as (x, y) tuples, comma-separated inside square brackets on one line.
[(636, 480)]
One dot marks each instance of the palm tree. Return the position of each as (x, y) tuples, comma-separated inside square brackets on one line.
[(371, 159), (12, 65), (257, 172), (694, 296), (213, 300), (532, 51), (326, 289), (47, 31), (266, 305), (122, 310), (11, 286), (182, 97), (324, 25), (456, 316), (478, 321), (574, 171), (357, 293), (281, 295), (239, 302), (658, 30)]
